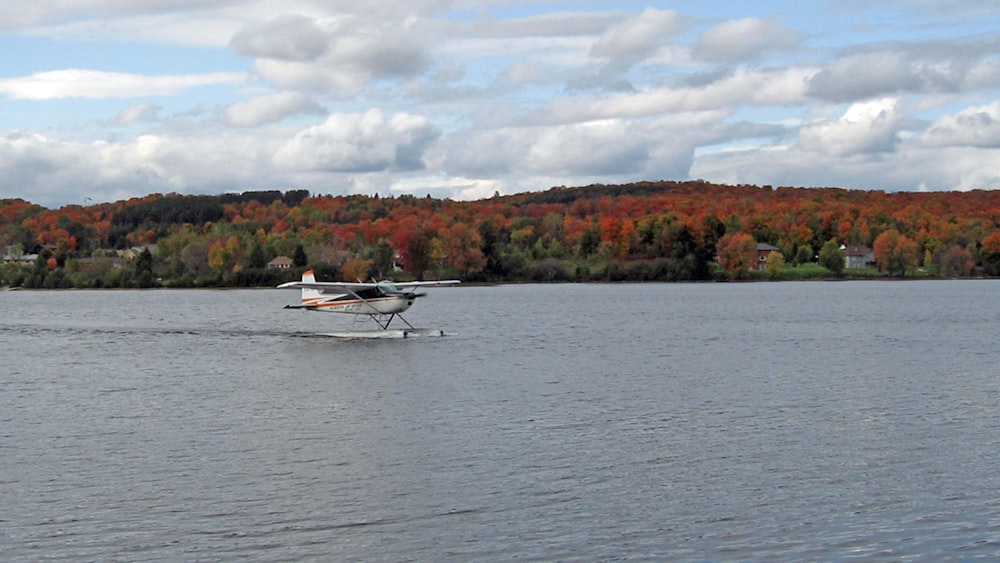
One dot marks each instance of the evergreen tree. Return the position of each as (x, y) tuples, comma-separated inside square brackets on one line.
[(590, 241), (143, 265), (418, 254), (382, 259), (299, 257), (144, 262), (256, 258)]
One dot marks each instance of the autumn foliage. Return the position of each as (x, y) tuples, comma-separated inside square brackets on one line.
[(642, 231), (736, 254)]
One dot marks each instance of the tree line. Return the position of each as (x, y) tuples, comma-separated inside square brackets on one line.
[(663, 231)]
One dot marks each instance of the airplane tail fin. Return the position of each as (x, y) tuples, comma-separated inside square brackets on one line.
[(309, 295)]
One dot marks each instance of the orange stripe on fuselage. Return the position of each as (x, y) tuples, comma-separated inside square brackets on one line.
[(320, 303)]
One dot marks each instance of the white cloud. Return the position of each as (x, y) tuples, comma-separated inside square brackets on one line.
[(552, 25), (360, 143), (637, 37), (181, 164), (908, 168), (895, 69), (864, 149), (270, 108), (982, 74), (742, 87), (138, 113), (487, 152), (864, 128), (598, 148), (338, 58), (56, 171), (475, 97), (287, 37), (79, 83), (167, 29), (616, 149), (745, 39), (971, 127), (454, 187), (865, 75), (524, 73)]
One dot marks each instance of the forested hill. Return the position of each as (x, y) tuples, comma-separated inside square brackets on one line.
[(643, 231)]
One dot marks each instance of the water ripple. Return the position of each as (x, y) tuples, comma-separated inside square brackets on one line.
[(654, 422)]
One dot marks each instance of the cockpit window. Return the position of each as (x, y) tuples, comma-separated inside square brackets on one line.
[(371, 293)]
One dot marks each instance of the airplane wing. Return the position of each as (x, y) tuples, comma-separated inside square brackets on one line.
[(346, 287), (351, 287), (426, 283)]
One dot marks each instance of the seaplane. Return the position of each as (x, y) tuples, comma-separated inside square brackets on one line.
[(381, 301)]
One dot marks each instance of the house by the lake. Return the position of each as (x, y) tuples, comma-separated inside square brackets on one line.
[(14, 255), (763, 249), (281, 263), (858, 256)]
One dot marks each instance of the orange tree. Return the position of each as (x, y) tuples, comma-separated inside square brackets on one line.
[(990, 253), (736, 254), (895, 253)]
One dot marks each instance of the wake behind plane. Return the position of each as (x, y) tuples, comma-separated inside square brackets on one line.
[(381, 301)]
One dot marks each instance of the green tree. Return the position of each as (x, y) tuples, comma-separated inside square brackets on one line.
[(831, 257), (590, 241), (804, 254), (775, 264), (714, 229), (256, 258), (144, 262), (39, 270), (143, 266), (383, 256), (688, 260)]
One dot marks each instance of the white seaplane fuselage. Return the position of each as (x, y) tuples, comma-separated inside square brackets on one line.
[(378, 303)]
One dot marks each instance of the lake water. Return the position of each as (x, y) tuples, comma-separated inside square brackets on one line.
[(763, 421)]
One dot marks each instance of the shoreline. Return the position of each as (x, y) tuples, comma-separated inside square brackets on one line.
[(886, 279)]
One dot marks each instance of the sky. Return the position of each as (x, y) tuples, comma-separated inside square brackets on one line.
[(103, 100)]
